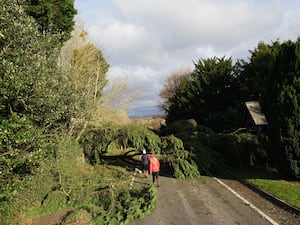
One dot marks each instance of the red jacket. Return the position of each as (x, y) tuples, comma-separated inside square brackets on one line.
[(154, 164)]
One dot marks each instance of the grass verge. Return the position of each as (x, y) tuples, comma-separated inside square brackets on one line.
[(272, 183)]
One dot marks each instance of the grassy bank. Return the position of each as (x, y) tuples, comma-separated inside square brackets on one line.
[(272, 183), (66, 188)]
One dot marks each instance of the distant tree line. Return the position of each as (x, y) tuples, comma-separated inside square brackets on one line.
[(215, 92)]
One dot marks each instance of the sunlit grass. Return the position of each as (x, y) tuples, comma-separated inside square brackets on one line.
[(286, 191), (269, 181)]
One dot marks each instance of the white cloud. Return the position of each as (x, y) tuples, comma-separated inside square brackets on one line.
[(145, 41), (184, 23), (145, 81)]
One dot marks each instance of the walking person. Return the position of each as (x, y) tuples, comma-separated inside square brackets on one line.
[(154, 167), (145, 163)]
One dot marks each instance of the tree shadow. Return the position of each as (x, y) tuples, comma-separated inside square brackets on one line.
[(130, 162), (255, 173)]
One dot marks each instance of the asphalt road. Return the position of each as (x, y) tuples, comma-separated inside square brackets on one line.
[(199, 201)]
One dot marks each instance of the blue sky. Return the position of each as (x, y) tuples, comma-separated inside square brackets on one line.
[(146, 41)]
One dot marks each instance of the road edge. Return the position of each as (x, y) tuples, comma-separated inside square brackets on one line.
[(269, 219), (280, 203)]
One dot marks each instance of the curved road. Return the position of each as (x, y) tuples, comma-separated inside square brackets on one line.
[(200, 201)]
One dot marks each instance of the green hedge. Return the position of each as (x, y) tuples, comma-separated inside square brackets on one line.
[(240, 150)]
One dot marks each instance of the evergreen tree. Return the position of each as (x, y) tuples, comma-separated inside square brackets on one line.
[(257, 72), (212, 96), (273, 75), (54, 16), (282, 101)]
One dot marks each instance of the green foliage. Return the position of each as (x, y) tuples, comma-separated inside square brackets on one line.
[(208, 160), (41, 173), (192, 143), (181, 160), (276, 69), (179, 106), (31, 83), (35, 97), (53, 16), (183, 129), (257, 72), (213, 91), (180, 127), (21, 147), (171, 86), (241, 150), (67, 182), (53, 186), (89, 68), (127, 206), (96, 141), (139, 137)]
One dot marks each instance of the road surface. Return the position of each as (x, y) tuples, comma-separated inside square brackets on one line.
[(203, 201)]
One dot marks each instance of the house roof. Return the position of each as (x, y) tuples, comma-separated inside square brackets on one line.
[(255, 111)]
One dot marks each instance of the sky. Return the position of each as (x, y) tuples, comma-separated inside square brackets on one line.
[(145, 41)]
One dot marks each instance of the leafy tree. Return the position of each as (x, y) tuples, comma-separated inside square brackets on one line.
[(277, 74), (54, 16), (179, 106), (173, 83), (41, 165), (87, 66), (31, 83), (101, 103), (36, 98), (212, 96)]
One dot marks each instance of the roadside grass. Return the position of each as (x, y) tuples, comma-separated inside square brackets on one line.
[(272, 183)]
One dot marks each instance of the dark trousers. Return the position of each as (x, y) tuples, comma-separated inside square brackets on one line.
[(155, 176)]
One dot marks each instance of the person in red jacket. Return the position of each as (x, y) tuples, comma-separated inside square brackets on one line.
[(154, 167)]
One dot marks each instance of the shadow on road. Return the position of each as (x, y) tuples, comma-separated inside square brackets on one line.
[(131, 161)]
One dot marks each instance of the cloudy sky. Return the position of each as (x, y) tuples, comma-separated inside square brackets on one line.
[(144, 41)]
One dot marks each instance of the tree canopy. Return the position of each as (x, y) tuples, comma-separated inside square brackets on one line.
[(54, 16), (216, 92), (209, 95), (172, 84), (275, 69), (31, 82)]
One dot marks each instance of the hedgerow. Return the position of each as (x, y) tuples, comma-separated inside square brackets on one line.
[(68, 183)]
